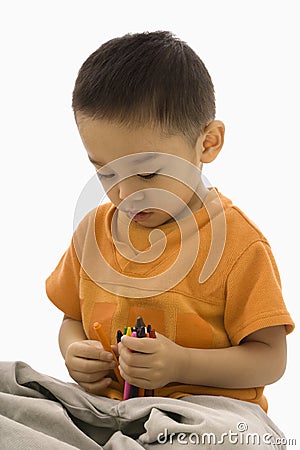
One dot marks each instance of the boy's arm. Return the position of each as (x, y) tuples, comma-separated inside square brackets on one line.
[(71, 330), (260, 359)]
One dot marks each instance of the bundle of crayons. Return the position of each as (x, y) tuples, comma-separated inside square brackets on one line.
[(140, 331)]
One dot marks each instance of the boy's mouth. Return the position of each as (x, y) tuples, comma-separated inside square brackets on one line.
[(140, 216)]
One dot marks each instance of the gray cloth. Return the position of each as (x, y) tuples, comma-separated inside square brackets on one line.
[(41, 412)]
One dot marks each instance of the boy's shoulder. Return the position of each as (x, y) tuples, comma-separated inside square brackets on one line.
[(239, 227), (242, 237)]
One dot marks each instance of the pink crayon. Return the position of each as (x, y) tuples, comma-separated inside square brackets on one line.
[(127, 386)]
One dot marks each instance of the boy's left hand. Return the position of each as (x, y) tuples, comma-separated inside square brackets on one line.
[(152, 363)]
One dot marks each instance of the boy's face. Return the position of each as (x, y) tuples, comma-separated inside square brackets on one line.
[(133, 163)]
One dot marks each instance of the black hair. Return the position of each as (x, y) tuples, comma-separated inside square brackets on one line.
[(147, 78)]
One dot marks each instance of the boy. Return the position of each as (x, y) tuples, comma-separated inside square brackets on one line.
[(145, 110)]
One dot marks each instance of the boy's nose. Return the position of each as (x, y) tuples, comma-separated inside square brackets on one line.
[(126, 189)]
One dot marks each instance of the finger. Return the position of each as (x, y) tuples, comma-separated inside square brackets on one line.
[(120, 347), (138, 377), (142, 373), (135, 359), (91, 350), (82, 377), (143, 345), (91, 365), (115, 350), (96, 388)]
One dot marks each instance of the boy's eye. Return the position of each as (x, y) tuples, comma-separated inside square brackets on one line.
[(105, 176), (148, 175)]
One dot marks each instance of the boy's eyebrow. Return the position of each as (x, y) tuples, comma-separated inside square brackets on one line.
[(134, 161)]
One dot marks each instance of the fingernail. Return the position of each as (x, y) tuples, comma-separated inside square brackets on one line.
[(109, 356)]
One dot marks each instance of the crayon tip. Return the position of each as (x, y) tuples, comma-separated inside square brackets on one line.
[(152, 334), (119, 335), (139, 322)]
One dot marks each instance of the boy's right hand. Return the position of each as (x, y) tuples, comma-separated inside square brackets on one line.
[(89, 364)]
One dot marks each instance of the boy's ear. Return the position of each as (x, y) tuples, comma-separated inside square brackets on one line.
[(212, 140)]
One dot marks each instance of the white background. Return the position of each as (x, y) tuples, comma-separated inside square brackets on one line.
[(251, 49)]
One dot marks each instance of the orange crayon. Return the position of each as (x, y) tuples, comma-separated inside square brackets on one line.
[(107, 347), (141, 392)]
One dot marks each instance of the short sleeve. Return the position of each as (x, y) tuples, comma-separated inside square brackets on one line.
[(253, 294), (62, 286)]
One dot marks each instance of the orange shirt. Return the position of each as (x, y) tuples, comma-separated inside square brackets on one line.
[(103, 278)]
